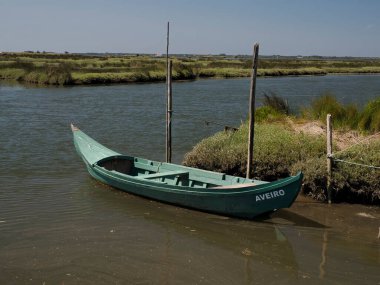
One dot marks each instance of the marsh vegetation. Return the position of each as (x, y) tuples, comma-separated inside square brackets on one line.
[(69, 69), (284, 146)]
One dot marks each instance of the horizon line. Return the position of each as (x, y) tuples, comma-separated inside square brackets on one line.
[(186, 54)]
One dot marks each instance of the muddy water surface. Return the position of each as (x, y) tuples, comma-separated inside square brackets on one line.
[(59, 226)]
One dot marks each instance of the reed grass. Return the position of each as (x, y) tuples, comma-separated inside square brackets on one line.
[(291, 71), (11, 73), (117, 77), (358, 184), (280, 152), (111, 69), (276, 102), (369, 119), (345, 116)]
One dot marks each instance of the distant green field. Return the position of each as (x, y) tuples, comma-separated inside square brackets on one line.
[(71, 69)]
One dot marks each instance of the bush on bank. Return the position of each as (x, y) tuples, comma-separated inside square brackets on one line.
[(280, 152), (345, 116), (356, 183), (59, 74)]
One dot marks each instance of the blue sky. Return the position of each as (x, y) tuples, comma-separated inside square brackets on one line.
[(292, 27)]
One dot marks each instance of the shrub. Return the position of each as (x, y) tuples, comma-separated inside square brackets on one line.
[(357, 183), (345, 116), (58, 75), (183, 71), (27, 66), (267, 114), (276, 149), (12, 73), (314, 179), (276, 102), (370, 117), (351, 118), (279, 152), (327, 104), (36, 77)]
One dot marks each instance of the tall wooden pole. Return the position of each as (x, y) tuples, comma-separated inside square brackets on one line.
[(167, 53), (169, 116), (329, 156), (168, 100), (252, 110)]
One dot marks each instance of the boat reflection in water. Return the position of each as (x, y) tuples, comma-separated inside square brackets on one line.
[(196, 247), (193, 247)]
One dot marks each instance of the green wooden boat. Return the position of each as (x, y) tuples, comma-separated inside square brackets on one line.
[(185, 186)]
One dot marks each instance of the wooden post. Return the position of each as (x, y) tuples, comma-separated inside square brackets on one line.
[(167, 53), (329, 156), (168, 100), (252, 110), (169, 115)]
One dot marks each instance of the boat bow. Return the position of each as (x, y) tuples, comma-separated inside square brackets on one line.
[(90, 150)]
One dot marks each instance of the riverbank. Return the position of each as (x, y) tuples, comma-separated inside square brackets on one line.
[(75, 69), (284, 147)]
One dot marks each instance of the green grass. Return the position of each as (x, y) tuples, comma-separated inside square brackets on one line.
[(276, 103), (366, 69), (276, 149), (369, 119), (345, 116), (117, 77), (116, 69), (280, 152), (12, 73), (291, 71), (355, 183)]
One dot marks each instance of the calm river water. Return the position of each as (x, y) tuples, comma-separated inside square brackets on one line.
[(59, 226)]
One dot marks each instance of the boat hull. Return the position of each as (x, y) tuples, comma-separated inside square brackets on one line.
[(243, 202), (247, 204)]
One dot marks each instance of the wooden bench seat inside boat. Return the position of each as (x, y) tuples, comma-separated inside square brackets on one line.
[(146, 166), (234, 186), (176, 173)]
